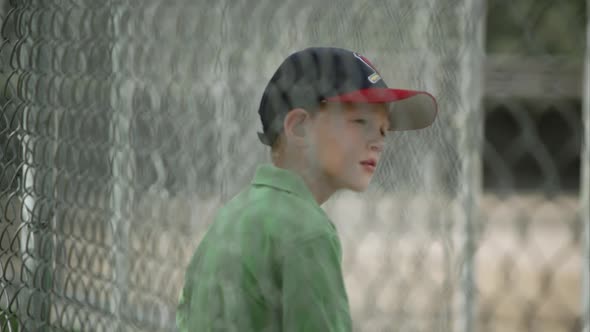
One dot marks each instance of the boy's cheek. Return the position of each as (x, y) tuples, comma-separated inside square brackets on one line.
[(341, 159)]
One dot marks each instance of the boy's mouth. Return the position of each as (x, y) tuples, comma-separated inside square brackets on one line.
[(369, 164)]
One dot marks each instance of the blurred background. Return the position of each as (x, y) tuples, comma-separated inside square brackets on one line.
[(125, 124)]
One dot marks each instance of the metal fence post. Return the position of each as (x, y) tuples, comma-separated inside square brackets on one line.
[(585, 183), (38, 203), (122, 93), (27, 240), (471, 143)]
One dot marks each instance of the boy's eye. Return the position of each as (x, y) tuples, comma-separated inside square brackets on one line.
[(362, 121)]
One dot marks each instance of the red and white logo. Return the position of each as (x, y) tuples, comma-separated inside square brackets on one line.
[(374, 77)]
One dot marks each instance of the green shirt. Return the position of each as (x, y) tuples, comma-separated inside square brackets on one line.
[(270, 261)]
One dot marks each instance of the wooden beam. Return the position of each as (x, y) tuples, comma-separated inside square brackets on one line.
[(533, 77)]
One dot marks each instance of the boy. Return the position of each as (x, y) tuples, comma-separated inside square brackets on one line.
[(271, 260)]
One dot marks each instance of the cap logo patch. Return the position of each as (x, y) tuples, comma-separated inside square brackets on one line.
[(374, 77)]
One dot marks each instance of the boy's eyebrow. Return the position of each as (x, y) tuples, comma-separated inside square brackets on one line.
[(357, 112)]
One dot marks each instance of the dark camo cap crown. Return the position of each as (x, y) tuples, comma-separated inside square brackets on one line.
[(313, 75)]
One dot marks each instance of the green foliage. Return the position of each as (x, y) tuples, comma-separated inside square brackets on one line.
[(536, 27), (8, 321)]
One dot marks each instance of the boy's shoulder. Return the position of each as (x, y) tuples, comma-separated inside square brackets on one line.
[(277, 213)]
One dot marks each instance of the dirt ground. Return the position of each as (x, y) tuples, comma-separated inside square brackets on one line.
[(527, 264)]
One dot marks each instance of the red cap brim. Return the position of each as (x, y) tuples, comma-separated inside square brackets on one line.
[(409, 109)]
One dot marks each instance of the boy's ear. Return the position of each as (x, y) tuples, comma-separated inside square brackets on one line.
[(295, 126)]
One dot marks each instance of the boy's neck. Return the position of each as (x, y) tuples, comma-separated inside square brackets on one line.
[(316, 184)]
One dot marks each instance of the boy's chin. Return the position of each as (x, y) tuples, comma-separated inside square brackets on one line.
[(359, 187)]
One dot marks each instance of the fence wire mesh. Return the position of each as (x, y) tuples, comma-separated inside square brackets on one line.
[(125, 124)]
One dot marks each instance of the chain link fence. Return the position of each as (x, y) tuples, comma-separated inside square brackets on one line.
[(125, 124)]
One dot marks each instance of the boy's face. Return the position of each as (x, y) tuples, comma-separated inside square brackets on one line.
[(345, 137)]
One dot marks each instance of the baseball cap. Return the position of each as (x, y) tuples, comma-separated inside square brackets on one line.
[(327, 74)]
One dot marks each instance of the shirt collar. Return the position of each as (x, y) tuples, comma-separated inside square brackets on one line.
[(283, 179)]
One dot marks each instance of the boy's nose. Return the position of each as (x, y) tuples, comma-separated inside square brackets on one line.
[(377, 145)]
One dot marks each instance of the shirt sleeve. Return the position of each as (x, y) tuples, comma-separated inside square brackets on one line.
[(314, 295)]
